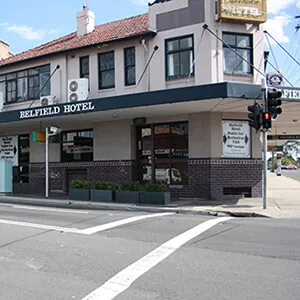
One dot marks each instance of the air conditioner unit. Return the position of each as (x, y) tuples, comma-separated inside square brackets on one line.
[(47, 100), (78, 89)]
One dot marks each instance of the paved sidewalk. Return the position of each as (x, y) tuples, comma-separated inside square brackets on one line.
[(283, 202)]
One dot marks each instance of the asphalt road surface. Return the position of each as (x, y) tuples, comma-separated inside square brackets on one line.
[(295, 174), (62, 254)]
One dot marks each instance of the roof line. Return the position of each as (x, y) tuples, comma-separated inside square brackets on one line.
[(143, 34)]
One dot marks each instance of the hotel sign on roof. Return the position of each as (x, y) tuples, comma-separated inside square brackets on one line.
[(250, 11)]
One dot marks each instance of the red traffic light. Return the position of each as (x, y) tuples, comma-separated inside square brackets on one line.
[(267, 116)]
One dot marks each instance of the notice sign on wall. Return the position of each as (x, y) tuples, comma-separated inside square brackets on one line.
[(9, 149), (236, 139)]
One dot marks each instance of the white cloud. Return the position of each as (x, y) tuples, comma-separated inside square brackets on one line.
[(275, 26), (276, 6), (28, 33)]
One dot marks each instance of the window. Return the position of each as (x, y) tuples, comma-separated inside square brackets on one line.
[(129, 58), (242, 44), (164, 153), (179, 57), (106, 70), (84, 67), (77, 145), (26, 85)]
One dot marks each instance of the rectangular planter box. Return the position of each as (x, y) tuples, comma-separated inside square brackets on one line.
[(158, 198), (127, 197), (79, 194), (102, 195)]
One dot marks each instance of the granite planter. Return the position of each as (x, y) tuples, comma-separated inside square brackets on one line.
[(156, 198), (102, 195), (128, 197), (79, 194)]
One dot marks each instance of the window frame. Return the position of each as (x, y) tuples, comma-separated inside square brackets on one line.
[(62, 142), (100, 87), (81, 73), (127, 66), (28, 76), (235, 47), (192, 48)]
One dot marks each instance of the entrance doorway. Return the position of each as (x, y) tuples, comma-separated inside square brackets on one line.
[(162, 153)]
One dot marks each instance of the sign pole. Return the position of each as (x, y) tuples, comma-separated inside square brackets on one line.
[(47, 164), (265, 145)]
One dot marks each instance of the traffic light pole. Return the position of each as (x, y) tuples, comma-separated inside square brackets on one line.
[(265, 146)]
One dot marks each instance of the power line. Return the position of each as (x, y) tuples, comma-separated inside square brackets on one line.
[(270, 47), (282, 48)]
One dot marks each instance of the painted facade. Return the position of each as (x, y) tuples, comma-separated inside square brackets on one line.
[(185, 94)]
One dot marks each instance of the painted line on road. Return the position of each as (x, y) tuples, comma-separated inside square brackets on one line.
[(114, 224), (50, 209), (87, 231), (39, 226), (124, 279)]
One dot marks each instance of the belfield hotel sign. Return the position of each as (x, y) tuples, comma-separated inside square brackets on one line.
[(252, 11), (57, 110)]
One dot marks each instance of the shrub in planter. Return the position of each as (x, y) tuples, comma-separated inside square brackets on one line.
[(128, 192), (154, 193), (103, 191), (80, 190)]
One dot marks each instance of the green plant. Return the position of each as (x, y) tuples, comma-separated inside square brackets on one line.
[(101, 185), (154, 187), (130, 186), (77, 184)]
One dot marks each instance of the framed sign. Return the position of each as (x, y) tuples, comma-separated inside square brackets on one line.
[(236, 137), (250, 11), (9, 149)]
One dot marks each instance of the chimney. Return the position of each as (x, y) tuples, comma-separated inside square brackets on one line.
[(85, 21), (4, 50)]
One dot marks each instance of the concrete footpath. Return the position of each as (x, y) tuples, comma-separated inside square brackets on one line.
[(283, 202)]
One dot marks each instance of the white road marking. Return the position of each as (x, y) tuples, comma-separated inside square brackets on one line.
[(39, 226), (50, 209), (87, 231), (124, 279), (103, 227)]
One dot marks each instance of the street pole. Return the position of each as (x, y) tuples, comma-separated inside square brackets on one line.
[(265, 146), (47, 164)]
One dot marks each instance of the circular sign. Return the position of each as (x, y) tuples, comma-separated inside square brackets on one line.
[(275, 80)]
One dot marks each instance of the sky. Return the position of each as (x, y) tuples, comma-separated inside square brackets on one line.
[(25, 24)]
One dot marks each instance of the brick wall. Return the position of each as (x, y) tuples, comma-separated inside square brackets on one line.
[(207, 177), (114, 171)]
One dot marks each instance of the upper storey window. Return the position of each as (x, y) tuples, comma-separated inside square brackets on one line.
[(242, 44), (24, 85), (106, 70), (179, 57)]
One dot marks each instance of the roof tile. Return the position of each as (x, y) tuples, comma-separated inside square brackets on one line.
[(103, 33)]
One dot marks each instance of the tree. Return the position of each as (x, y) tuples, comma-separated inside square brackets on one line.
[(291, 148)]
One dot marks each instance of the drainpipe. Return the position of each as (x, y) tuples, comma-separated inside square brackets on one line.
[(217, 51), (147, 74)]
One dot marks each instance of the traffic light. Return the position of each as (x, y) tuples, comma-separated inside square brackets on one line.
[(274, 103), (255, 116), (266, 120)]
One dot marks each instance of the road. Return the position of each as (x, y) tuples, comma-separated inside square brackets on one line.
[(48, 253), (295, 174)]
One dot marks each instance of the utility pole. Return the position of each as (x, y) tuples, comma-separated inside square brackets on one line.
[(265, 144)]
